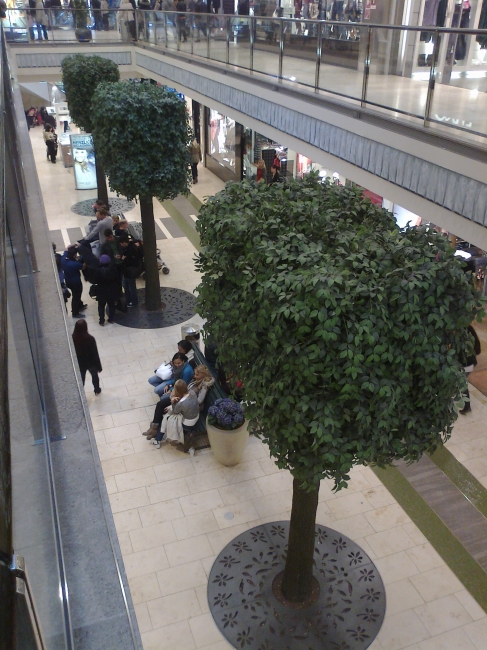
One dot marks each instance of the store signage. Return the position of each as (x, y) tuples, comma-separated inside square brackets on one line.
[(83, 161), (452, 120)]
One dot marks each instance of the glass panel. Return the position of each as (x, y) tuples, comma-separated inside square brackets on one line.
[(266, 46), (300, 43), (342, 59), (183, 35), (239, 51), (218, 38), (200, 34), (16, 26), (459, 98), (171, 30), (388, 85), (126, 25)]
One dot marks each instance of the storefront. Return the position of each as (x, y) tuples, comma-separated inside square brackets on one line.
[(223, 147)]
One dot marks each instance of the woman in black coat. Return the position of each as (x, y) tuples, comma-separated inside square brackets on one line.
[(87, 353)]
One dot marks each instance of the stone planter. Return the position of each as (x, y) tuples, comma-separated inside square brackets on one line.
[(83, 34), (228, 446)]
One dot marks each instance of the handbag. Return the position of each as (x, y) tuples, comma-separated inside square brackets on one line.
[(94, 291), (164, 371), (122, 304)]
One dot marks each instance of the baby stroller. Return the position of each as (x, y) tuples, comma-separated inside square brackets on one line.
[(135, 229)]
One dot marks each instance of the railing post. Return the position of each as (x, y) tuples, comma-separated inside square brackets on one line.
[(281, 47), (166, 37), (432, 78), (136, 21), (252, 33), (191, 31), (208, 38), (365, 78), (319, 42), (228, 27)]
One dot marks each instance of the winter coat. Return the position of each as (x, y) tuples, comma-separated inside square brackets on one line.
[(41, 15), (106, 277), (472, 359), (186, 375), (133, 262), (188, 406), (195, 152), (111, 249), (87, 353), (71, 270)]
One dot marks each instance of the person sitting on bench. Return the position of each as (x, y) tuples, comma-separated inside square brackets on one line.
[(199, 385), (183, 413), (181, 369)]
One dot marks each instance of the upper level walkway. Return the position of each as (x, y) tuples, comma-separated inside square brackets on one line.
[(349, 96)]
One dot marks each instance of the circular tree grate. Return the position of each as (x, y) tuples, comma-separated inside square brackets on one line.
[(347, 615), (117, 205), (179, 306)]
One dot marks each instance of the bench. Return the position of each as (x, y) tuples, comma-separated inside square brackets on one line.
[(200, 437)]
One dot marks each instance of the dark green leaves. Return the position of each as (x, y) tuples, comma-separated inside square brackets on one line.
[(81, 76), (142, 137), (345, 330)]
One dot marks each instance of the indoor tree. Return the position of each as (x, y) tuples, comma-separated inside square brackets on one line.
[(344, 329), (81, 76), (143, 136)]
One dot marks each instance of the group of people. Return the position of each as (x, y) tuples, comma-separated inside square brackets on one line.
[(261, 174), (182, 397), (113, 264)]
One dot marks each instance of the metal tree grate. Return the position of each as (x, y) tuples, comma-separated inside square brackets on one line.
[(347, 615)]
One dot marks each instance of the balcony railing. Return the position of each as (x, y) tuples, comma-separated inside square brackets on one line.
[(412, 73)]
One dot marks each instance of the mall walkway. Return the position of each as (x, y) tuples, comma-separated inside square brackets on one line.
[(169, 509)]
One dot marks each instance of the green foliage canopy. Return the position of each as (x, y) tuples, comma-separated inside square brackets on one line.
[(81, 76), (143, 136), (345, 329)]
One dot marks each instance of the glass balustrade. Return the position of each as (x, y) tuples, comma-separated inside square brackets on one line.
[(435, 78)]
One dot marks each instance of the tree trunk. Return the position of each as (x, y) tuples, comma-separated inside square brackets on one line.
[(298, 573), (101, 181), (152, 286)]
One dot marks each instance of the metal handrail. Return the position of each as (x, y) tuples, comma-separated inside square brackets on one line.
[(319, 33), (9, 133), (201, 16)]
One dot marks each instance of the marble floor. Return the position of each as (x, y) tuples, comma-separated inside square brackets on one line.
[(169, 509)]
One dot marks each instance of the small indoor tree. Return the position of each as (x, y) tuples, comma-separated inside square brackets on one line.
[(143, 136), (81, 76), (344, 329)]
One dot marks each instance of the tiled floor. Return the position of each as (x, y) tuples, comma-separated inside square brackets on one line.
[(169, 508)]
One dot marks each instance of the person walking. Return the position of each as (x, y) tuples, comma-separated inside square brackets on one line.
[(195, 158), (469, 364), (72, 268), (50, 139), (105, 14), (107, 279), (87, 354), (41, 20), (181, 21)]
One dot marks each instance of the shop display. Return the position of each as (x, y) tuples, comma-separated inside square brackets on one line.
[(83, 156), (222, 139)]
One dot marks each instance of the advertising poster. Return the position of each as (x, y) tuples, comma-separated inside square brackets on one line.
[(83, 161)]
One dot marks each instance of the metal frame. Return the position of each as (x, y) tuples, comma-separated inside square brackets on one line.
[(432, 78)]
